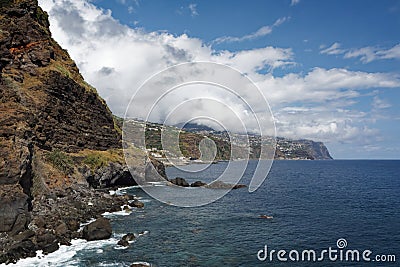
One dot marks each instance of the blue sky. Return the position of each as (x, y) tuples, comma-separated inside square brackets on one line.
[(330, 69)]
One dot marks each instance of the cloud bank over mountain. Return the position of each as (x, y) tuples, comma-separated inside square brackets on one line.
[(319, 103)]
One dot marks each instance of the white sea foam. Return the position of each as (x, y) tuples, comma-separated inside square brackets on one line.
[(122, 190), (142, 262), (117, 213), (158, 183), (86, 223), (144, 233), (110, 264), (120, 247), (64, 256)]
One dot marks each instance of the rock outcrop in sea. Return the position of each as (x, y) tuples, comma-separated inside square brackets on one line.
[(58, 141)]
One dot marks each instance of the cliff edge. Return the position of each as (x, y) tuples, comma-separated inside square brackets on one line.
[(58, 139)]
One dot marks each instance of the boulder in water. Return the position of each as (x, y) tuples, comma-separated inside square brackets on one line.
[(198, 184), (97, 230), (179, 182), (129, 237), (123, 243), (223, 185), (137, 204)]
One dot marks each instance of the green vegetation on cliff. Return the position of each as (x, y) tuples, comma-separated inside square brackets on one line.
[(190, 139)]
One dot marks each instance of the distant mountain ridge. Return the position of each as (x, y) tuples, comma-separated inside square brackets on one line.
[(193, 127), (191, 135), (286, 148)]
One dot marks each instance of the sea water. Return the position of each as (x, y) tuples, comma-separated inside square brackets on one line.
[(313, 204)]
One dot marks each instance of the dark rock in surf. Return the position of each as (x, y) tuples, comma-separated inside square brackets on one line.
[(14, 216), (179, 182), (50, 248), (222, 185), (129, 237), (137, 204), (97, 230), (123, 243), (198, 184)]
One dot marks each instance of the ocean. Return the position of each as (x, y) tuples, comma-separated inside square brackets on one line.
[(315, 205)]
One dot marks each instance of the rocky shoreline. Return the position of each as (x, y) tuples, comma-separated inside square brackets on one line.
[(59, 142), (56, 220), (60, 145), (179, 181)]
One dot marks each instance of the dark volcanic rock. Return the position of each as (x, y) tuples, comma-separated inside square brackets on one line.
[(129, 237), (44, 101), (155, 171), (97, 230), (24, 236), (60, 223), (20, 250), (88, 125), (14, 216), (61, 229), (137, 204), (198, 184), (237, 186), (45, 104), (114, 174), (50, 248), (45, 239), (54, 108), (51, 119), (123, 243), (179, 182), (222, 185)]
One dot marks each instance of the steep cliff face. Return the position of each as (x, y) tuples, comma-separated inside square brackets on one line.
[(44, 102), (56, 136), (320, 151)]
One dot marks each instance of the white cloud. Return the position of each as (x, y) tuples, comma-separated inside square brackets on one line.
[(294, 2), (131, 2), (392, 53), (131, 9), (263, 31), (193, 10), (379, 103), (250, 61), (117, 59), (322, 85), (368, 54), (334, 49), (365, 54)]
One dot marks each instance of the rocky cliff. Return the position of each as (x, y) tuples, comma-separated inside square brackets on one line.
[(57, 137), (192, 134), (301, 149)]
